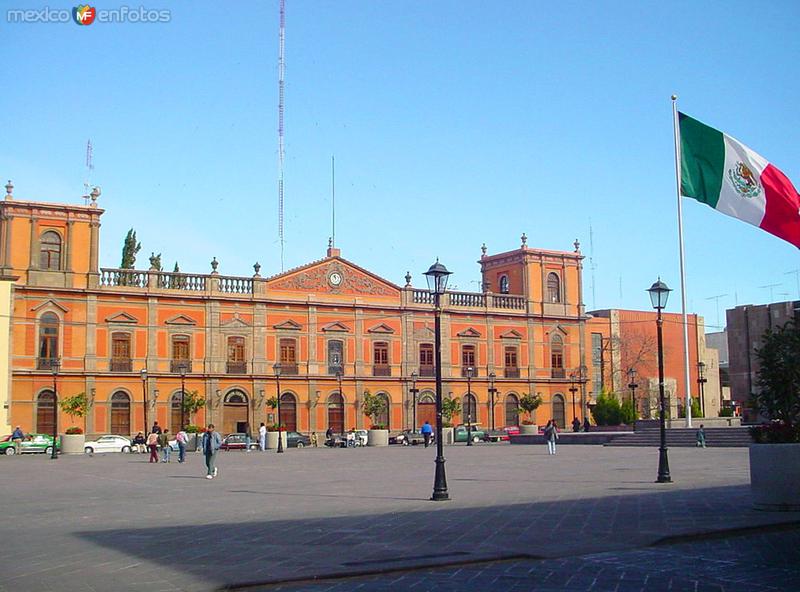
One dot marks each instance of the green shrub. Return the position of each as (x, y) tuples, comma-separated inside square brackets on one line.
[(530, 403), (726, 412), (696, 412), (628, 412), (607, 410)]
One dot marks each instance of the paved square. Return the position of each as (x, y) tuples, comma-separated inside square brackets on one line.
[(115, 522)]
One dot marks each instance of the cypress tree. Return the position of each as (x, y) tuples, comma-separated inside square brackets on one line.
[(129, 249)]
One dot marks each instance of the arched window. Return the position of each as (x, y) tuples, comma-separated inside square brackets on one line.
[(336, 413), (512, 410), (553, 288), (48, 340), (45, 412), (426, 409), (235, 413), (50, 251), (504, 284), (557, 357), (426, 365), (382, 418), (236, 360), (469, 409), (558, 410), (121, 414), (289, 412)]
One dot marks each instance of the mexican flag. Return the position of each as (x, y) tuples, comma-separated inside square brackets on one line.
[(725, 174)]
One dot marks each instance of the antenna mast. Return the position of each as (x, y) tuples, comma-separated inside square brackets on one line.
[(281, 71), (333, 202), (591, 262), (89, 169)]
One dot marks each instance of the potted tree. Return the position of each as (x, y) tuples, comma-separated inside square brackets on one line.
[(273, 429), (192, 403), (529, 403), (374, 406), (73, 439), (449, 408), (775, 453)]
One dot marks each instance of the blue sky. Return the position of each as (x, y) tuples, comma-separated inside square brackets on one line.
[(453, 123)]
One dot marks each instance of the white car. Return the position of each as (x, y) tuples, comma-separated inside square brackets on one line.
[(108, 444)]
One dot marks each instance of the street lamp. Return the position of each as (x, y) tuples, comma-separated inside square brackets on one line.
[(659, 293), (182, 370), (414, 391), (277, 368), (437, 276), (701, 381), (492, 392), (143, 374), (573, 389), (633, 386), (470, 372), (54, 365)]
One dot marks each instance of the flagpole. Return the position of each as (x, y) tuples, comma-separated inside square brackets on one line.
[(676, 132)]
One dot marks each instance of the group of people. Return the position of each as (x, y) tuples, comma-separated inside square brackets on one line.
[(158, 438), (576, 424)]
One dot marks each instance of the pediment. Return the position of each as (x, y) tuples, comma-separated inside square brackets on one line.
[(50, 304), (336, 327), (511, 334), (235, 323), (471, 332), (424, 333), (382, 328), (289, 325), (180, 320), (333, 275), (121, 317), (558, 329)]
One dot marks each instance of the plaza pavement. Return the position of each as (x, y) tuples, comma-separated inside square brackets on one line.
[(115, 522)]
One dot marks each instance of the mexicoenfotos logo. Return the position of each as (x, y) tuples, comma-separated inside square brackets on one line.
[(84, 14)]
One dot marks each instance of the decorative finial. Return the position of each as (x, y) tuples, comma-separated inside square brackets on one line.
[(214, 265), (9, 190), (257, 268), (577, 245), (94, 195), (483, 250), (408, 279), (330, 242), (155, 261), (524, 238)]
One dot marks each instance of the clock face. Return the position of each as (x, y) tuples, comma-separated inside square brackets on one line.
[(335, 278)]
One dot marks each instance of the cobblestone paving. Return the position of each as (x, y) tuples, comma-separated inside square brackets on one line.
[(115, 522)]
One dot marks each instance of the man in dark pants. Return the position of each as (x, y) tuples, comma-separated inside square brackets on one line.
[(576, 424), (427, 432), (211, 444)]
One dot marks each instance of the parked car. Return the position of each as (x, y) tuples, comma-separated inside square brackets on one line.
[(33, 443), (297, 440), (460, 433), (410, 438), (496, 436), (237, 441), (110, 443), (351, 439)]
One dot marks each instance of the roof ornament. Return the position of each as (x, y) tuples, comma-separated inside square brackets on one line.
[(524, 239), (9, 190), (577, 245), (408, 279), (94, 195), (257, 269), (483, 250), (214, 265)]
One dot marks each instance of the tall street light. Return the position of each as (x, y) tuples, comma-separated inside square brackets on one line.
[(182, 370), (277, 368), (54, 365), (701, 381), (143, 374), (492, 392), (414, 391), (633, 386), (437, 276), (659, 293), (470, 372), (339, 374), (573, 389)]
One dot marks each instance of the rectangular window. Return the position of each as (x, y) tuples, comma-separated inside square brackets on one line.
[(426, 365), (121, 352), (597, 362), (236, 356), (468, 360), (180, 354), (288, 353), (335, 357), (511, 367), (380, 359)]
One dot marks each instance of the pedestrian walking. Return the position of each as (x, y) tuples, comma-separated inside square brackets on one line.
[(701, 437), (313, 438), (585, 424), (247, 439), (140, 443), (329, 437), (211, 443), (182, 438), (576, 424), (262, 437), (17, 437), (152, 445), (163, 441), (427, 431), (550, 436), (156, 428)]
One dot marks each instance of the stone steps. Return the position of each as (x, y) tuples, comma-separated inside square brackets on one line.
[(733, 437)]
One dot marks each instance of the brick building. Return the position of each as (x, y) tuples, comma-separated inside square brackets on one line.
[(336, 329)]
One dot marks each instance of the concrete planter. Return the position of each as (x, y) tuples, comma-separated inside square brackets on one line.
[(72, 443), (775, 477), (378, 438), (528, 430), (272, 439), (447, 436)]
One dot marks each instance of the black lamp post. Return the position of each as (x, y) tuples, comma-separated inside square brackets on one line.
[(339, 374), (492, 392), (182, 370), (573, 389), (277, 368), (437, 276), (470, 372), (633, 386), (143, 374), (414, 391), (54, 365), (701, 381), (659, 293)]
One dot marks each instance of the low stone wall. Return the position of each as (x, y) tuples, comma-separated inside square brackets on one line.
[(590, 438)]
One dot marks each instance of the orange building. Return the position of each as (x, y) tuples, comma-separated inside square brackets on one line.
[(125, 337)]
